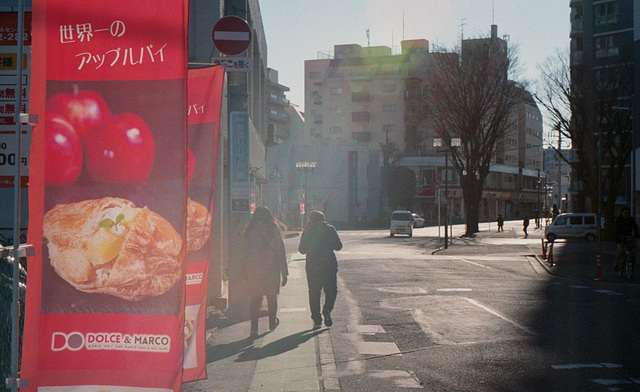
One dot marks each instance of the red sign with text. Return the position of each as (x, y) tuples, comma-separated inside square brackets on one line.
[(107, 200), (205, 102)]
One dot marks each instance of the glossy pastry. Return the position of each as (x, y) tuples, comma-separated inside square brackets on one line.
[(198, 225), (110, 246)]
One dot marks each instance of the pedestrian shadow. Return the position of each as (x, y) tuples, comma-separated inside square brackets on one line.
[(222, 351), (277, 347)]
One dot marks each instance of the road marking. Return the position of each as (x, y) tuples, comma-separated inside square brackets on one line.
[(455, 289), (579, 287), (493, 312), (402, 378), (603, 381), (473, 263), (586, 366), (608, 292), (403, 290), (378, 348), (366, 329)]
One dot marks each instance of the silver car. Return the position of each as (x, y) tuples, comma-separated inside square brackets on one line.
[(572, 225), (417, 220)]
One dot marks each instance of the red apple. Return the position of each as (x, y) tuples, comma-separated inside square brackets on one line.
[(62, 151), (121, 149), (83, 109), (191, 165)]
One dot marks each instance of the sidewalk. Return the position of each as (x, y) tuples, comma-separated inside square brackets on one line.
[(284, 359)]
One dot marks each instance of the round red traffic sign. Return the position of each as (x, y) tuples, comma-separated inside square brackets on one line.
[(231, 35)]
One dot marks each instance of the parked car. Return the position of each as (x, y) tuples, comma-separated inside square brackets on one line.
[(572, 225), (417, 220), (401, 223)]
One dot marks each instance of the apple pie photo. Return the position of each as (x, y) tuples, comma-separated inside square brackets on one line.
[(112, 247)]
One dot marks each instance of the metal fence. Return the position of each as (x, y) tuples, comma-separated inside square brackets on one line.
[(6, 297)]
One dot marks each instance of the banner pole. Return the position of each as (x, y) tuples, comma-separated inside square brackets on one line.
[(15, 304)]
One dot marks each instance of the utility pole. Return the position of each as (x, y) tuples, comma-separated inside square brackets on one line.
[(560, 171)]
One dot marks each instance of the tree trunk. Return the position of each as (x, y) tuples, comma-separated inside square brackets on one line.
[(472, 215), (471, 192)]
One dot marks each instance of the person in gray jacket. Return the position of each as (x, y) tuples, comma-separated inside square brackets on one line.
[(318, 242)]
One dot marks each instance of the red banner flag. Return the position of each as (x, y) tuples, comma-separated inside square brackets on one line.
[(205, 100), (106, 292)]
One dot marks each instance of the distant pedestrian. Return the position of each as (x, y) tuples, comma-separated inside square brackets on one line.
[(265, 266), (318, 241), (525, 225), (554, 211), (500, 221)]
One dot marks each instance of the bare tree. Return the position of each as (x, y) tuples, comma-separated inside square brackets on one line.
[(585, 114), (473, 98)]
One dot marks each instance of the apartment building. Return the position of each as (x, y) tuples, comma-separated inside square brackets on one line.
[(374, 100), (604, 56)]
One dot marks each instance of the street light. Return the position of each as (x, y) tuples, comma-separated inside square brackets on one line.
[(453, 142), (305, 166)]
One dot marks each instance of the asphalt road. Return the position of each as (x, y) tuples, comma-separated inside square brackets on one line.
[(481, 317)]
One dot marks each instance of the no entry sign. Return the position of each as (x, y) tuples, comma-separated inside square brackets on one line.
[(231, 35)]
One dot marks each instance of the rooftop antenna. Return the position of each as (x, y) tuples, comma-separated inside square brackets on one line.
[(368, 37), (403, 24), (462, 23), (493, 12)]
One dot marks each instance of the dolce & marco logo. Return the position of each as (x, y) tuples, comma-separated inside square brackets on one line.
[(74, 341)]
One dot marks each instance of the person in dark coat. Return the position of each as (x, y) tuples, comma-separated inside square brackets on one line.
[(624, 226), (525, 225), (500, 221), (318, 242), (265, 266)]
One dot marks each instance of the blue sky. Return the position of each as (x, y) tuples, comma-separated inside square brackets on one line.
[(296, 30)]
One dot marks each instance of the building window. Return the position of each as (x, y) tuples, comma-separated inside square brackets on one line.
[(389, 108), (606, 13), (335, 129), (336, 90), (335, 110), (314, 75), (388, 88)]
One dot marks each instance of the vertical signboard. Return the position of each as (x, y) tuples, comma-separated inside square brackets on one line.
[(105, 305), (239, 164), (8, 109), (205, 102)]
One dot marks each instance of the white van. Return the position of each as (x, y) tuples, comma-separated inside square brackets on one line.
[(401, 223), (572, 225)]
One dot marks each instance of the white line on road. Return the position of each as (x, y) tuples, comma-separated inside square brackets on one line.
[(493, 312), (608, 292), (603, 381), (586, 366), (455, 289), (473, 263)]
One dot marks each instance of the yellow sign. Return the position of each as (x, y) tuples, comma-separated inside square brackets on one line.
[(9, 61)]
